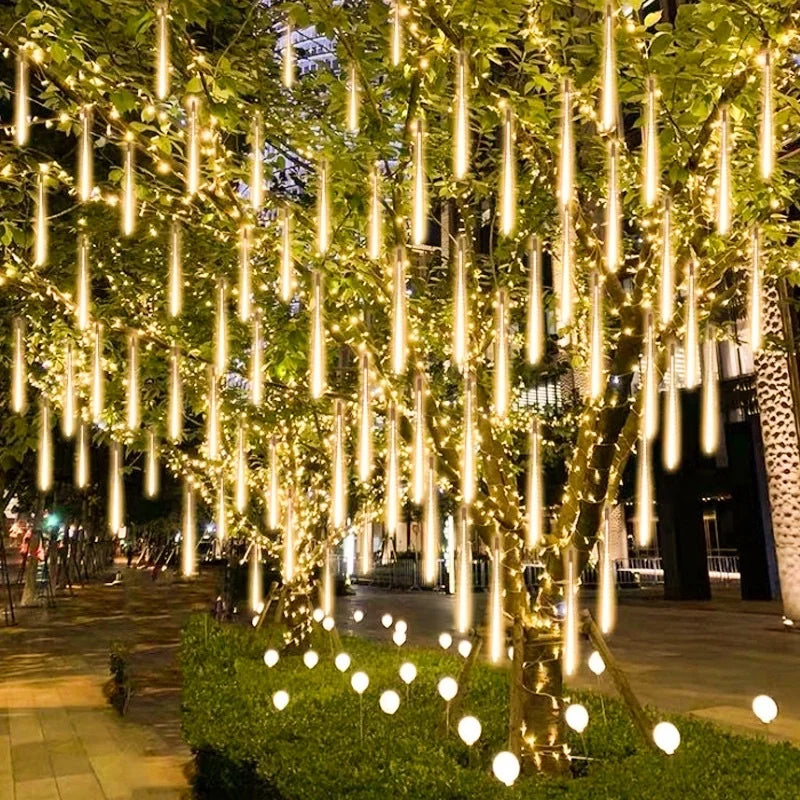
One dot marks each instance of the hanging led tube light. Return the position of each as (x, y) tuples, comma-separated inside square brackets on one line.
[(81, 474), (419, 186), (534, 530), (691, 345), (69, 410), (644, 491), (98, 376), (566, 169), (22, 100), (175, 270), (289, 556), (318, 378), (162, 50), (152, 468), (287, 67), (364, 420), (242, 470), (463, 621), (188, 532), (767, 123), (399, 342), (133, 415), (565, 295), (609, 102), (461, 137), (274, 488), (571, 646), (221, 510), (339, 468), (213, 434), (431, 525), (129, 210), (353, 99), (468, 442), (755, 300), (613, 221), (257, 164), (44, 453), (365, 546), (502, 367), (460, 304), (375, 215), (116, 489), (666, 289), (255, 580), (221, 329), (396, 40), (650, 382), (535, 327), (508, 175), (596, 339), (175, 398), (724, 185), (419, 455), (83, 286), (192, 177), (607, 594), (256, 363), (19, 367), (245, 272), (85, 180), (709, 401), (323, 208), (497, 633), (392, 490), (41, 235), (287, 261), (651, 177), (671, 444)]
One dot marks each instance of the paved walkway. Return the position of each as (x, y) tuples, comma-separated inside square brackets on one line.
[(59, 739), (707, 659)]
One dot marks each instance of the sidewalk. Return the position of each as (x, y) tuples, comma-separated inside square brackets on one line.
[(59, 738)]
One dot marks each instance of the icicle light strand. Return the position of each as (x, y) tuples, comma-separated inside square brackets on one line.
[(496, 623), (188, 532), (431, 526), (502, 366), (651, 178), (317, 373), (151, 465), (536, 330), (162, 50), (609, 103), (508, 175), (19, 368), (463, 621), (69, 410), (364, 420), (767, 123), (419, 186), (83, 286), (534, 531), (460, 304), (339, 468), (419, 447), (399, 312), (175, 399), (41, 241), (461, 134), (22, 99), (709, 421), (85, 156), (468, 443), (596, 343), (44, 472), (671, 443), (392, 491), (755, 300)]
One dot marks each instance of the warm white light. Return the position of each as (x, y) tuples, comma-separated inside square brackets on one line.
[(271, 658), (287, 260), (419, 448), (318, 379), (19, 367), (175, 400), (399, 313), (396, 41), (508, 175), (607, 594), (691, 348), (310, 658), (445, 640), (273, 484), (213, 434), (767, 122), (116, 491), (666, 737), (392, 491), (69, 409), (242, 469), (651, 177), (401, 625), (765, 708), (570, 656), (566, 171), (189, 532), (82, 456), (85, 156), (464, 648), (358, 615), (671, 444), (468, 443), (755, 299), (502, 365), (175, 270), (577, 717), (535, 330), (323, 208), (221, 510), (133, 412), (289, 556), (256, 587), (245, 272), (710, 410), (463, 606), (192, 177), (447, 688), (365, 555), (408, 673), (609, 103), (650, 382), (152, 469), (431, 525), (22, 99), (596, 338), (469, 729), (257, 164), (460, 304), (497, 633), (339, 469), (44, 471), (389, 702), (342, 662), (328, 624), (287, 68), (666, 288), (365, 463), (419, 186), (162, 49), (221, 329), (375, 219), (359, 681), (318, 615), (565, 294), (128, 190), (724, 189), (399, 638), (596, 663), (256, 362), (386, 620), (461, 134), (644, 492), (41, 236), (280, 699), (328, 589), (613, 220), (98, 375), (353, 99), (534, 530), (505, 767), (83, 286)]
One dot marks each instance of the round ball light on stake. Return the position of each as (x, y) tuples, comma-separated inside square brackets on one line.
[(448, 688), (666, 737), (386, 620), (445, 640), (401, 626), (328, 623), (318, 615), (399, 638), (359, 681), (577, 717), (506, 767), (342, 662), (358, 615), (271, 658), (254, 621), (765, 708), (596, 663), (389, 702), (408, 673), (280, 699), (469, 729), (310, 658), (464, 648)]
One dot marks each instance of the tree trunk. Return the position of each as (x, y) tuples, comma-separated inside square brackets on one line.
[(778, 404)]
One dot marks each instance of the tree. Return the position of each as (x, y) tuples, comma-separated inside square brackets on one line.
[(562, 106)]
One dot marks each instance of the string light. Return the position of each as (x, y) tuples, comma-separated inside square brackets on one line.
[(508, 175), (651, 178), (364, 420), (375, 217), (152, 469), (221, 513), (468, 443), (318, 362), (274, 484), (242, 470), (287, 261), (257, 164), (607, 596), (192, 177), (128, 189), (650, 387), (353, 99), (22, 100), (339, 469), (188, 532), (460, 304), (83, 286), (288, 540), (534, 531), (463, 621), (596, 345), (221, 329), (256, 363), (692, 336), (767, 122), (709, 423), (323, 208), (502, 366), (399, 304), (461, 140), (565, 299), (671, 447), (85, 156), (419, 186), (175, 399), (19, 367), (392, 492), (566, 171), (609, 103), (396, 42), (535, 337), (81, 473), (288, 55), (431, 526), (133, 416), (69, 410), (40, 221), (613, 222), (162, 50), (98, 376), (724, 174), (213, 434), (245, 272), (666, 303), (44, 471), (116, 490), (419, 450), (755, 302), (496, 622), (571, 654)]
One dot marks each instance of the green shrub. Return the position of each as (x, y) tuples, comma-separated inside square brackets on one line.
[(312, 750)]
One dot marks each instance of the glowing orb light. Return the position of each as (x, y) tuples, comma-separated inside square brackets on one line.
[(577, 717), (765, 708), (666, 737), (448, 689), (596, 663), (389, 702), (280, 699), (342, 662), (310, 659), (328, 623), (445, 640), (318, 615), (399, 638), (469, 729), (386, 620), (358, 615), (408, 672), (359, 682), (464, 648), (401, 626), (271, 658), (505, 767)]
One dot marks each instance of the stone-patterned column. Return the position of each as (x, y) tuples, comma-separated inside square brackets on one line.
[(781, 451)]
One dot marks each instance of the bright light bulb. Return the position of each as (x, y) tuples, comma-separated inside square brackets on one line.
[(280, 699), (399, 638), (342, 662), (765, 708), (116, 490), (671, 444), (505, 767), (596, 663), (389, 702), (408, 673), (666, 737), (353, 99), (271, 658), (82, 456), (287, 70), (133, 412), (310, 659), (534, 531), (577, 717), (359, 681), (447, 688), (396, 41), (69, 410), (607, 595), (358, 615), (571, 643), (710, 410), (445, 640), (469, 729), (691, 348)]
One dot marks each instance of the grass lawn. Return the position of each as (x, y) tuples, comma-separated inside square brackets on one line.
[(313, 748)]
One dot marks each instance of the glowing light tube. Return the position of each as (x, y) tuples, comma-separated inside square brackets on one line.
[(83, 286), (289, 556), (502, 367), (162, 50), (596, 343), (709, 402), (188, 532), (129, 210), (565, 297), (396, 40), (287, 261), (508, 175), (22, 100), (463, 621), (497, 633), (152, 469), (650, 383), (256, 363), (534, 530), (287, 70), (644, 492), (392, 490), (566, 169), (175, 399), (212, 418), (245, 272), (724, 186), (755, 302), (691, 377), (460, 305), (666, 288), (767, 123), (375, 215), (609, 103), (419, 448), (365, 547), (607, 595), (19, 367), (339, 469), (671, 444), (69, 410), (323, 208), (133, 415), (613, 221), (571, 649), (98, 376), (221, 512), (274, 488), (116, 489), (328, 580), (399, 322), (535, 328), (431, 526), (44, 453), (353, 99), (419, 186), (85, 156), (221, 330), (461, 141), (364, 420), (175, 270), (468, 443), (651, 177), (192, 177), (242, 470), (257, 164), (81, 473), (41, 236), (255, 581), (318, 377)]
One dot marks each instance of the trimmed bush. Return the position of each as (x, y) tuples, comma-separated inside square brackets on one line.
[(312, 750)]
